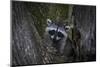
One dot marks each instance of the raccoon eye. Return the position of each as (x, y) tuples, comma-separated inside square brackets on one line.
[(60, 34), (52, 32)]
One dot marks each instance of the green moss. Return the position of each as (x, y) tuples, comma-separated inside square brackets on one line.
[(42, 11), (58, 12)]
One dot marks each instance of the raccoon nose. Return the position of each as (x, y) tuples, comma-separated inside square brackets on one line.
[(52, 36), (54, 40), (58, 38)]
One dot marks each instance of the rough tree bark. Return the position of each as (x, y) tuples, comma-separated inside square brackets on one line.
[(24, 50), (85, 27), (27, 47)]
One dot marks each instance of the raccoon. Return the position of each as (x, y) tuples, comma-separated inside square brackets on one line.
[(58, 34)]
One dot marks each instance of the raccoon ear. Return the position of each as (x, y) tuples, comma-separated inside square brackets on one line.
[(67, 28), (49, 22)]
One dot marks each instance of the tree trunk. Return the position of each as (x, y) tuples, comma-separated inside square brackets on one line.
[(27, 46), (85, 25)]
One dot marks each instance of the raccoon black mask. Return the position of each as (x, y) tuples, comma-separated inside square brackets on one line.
[(56, 31)]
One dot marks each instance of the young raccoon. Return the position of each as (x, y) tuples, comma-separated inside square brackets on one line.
[(58, 34)]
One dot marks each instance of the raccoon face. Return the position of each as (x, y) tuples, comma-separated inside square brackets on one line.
[(56, 31)]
